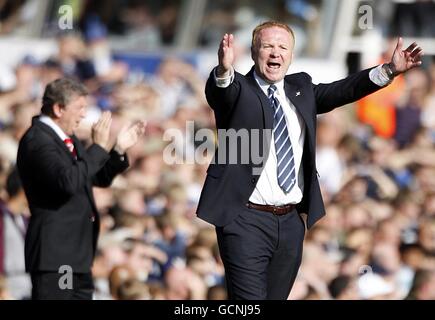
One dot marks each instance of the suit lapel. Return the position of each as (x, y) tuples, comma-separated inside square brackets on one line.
[(295, 96), (79, 147), (48, 130), (265, 103)]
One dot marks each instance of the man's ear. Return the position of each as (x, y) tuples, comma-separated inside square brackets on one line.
[(252, 53), (57, 110)]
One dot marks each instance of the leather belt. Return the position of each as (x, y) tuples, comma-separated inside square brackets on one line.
[(276, 210)]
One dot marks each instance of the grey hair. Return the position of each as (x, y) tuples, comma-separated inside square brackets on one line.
[(61, 91)]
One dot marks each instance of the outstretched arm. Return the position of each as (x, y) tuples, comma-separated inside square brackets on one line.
[(358, 85)]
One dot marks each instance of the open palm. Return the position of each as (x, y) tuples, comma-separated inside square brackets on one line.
[(409, 58), (226, 54), (128, 136)]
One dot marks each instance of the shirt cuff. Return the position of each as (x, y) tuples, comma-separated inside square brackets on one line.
[(225, 81), (379, 76)]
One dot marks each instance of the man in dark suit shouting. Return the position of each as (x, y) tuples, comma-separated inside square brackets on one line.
[(260, 215), (58, 173)]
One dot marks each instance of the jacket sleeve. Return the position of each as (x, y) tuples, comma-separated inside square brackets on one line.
[(338, 93), (59, 176), (116, 164), (222, 100)]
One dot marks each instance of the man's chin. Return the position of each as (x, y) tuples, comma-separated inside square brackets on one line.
[(75, 128), (273, 78), (72, 131)]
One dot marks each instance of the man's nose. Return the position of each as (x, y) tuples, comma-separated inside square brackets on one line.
[(274, 52)]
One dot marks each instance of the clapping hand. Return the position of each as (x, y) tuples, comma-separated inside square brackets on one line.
[(101, 130), (128, 136)]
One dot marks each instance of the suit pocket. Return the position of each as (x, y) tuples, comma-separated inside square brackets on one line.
[(215, 170)]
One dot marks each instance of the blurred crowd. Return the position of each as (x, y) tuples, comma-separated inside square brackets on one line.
[(377, 240), (376, 161), (152, 246)]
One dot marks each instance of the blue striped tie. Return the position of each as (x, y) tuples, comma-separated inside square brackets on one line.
[(286, 169)]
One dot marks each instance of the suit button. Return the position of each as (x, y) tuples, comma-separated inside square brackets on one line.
[(253, 180)]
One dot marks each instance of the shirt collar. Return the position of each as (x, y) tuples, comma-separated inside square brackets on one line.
[(53, 125), (265, 85)]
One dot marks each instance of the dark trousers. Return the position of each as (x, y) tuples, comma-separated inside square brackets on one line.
[(261, 253), (45, 286)]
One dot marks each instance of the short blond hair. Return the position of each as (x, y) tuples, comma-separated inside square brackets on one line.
[(270, 24)]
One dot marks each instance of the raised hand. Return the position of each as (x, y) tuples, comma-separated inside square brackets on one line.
[(225, 55), (403, 60), (128, 136), (101, 130)]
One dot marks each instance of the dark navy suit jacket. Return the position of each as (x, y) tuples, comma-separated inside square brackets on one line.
[(64, 223), (243, 105)]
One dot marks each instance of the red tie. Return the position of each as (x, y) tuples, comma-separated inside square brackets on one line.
[(70, 145)]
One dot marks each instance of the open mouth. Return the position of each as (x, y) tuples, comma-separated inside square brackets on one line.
[(274, 65)]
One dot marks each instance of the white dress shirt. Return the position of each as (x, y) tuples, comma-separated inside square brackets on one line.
[(267, 190)]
